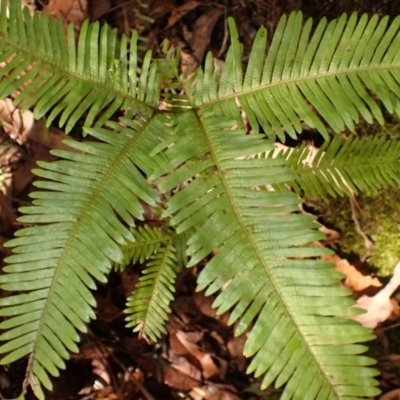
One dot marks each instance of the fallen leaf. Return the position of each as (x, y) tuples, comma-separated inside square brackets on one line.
[(392, 395), (75, 11), (235, 347), (178, 12), (7, 214), (379, 307), (204, 304), (355, 280), (213, 391), (15, 123), (202, 31), (208, 365), (182, 374), (98, 8)]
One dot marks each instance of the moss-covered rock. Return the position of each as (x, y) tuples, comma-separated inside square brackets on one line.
[(379, 219)]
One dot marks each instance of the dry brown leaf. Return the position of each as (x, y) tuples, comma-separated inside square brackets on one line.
[(15, 123), (129, 280), (204, 304), (161, 8), (202, 31), (75, 11), (208, 365), (98, 8), (213, 391), (392, 395), (379, 307), (7, 214), (355, 280), (188, 62), (178, 12), (176, 345), (235, 347), (182, 375), (34, 136)]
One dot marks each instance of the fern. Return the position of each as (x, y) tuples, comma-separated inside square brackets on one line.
[(343, 167), (148, 241), (186, 151), (148, 306)]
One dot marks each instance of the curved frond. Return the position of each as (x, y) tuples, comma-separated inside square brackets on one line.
[(290, 305), (147, 242), (338, 72), (98, 75), (82, 215), (148, 306), (344, 167)]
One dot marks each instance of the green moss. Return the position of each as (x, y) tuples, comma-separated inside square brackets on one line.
[(379, 220)]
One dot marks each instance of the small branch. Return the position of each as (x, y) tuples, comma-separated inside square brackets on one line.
[(367, 242)]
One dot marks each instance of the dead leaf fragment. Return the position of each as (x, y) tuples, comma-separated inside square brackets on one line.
[(16, 124), (355, 280), (392, 395), (182, 374), (181, 11), (202, 31), (75, 11), (208, 365), (98, 8), (379, 307)]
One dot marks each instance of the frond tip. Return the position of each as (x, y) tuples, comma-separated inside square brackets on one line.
[(344, 167), (148, 307)]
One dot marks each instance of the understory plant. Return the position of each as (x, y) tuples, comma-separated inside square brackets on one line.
[(177, 143)]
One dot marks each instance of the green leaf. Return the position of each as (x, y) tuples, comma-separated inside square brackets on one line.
[(98, 75)]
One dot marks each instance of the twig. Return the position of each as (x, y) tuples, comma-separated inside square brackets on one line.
[(224, 44), (367, 242), (139, 385)]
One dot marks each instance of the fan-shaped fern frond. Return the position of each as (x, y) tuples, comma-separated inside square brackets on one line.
[(279, 292), (343, 167), (98, 75), (290, 306), (89, 200), (336, 73)]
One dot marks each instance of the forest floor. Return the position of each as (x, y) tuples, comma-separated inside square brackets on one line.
[(199, 358)]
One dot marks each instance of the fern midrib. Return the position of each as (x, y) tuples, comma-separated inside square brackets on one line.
[(68, 74), (163, 264), (77, 225), (300, 79), (259, 255)]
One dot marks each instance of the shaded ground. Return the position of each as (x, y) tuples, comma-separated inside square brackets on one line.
[(199, 358)]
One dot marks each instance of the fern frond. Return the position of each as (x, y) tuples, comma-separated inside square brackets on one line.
[(344, 167), (338, 72), (289, 305), (96, 76), (147, 242), (89, 200), (148, 307)]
